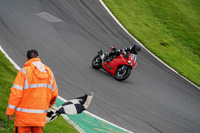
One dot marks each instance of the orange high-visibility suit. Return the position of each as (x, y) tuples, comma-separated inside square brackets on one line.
[(32, 93)]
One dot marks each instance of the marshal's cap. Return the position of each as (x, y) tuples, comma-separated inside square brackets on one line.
[(32, 54)]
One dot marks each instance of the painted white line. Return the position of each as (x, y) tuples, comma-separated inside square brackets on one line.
[(72, 123), (108, 10), (14, 64), (49, 17), (107, 122)]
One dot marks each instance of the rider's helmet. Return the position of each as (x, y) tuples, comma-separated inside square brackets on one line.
[(135, 49)]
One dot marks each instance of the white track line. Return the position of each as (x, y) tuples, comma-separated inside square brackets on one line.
[(108, 10), (15, 65)]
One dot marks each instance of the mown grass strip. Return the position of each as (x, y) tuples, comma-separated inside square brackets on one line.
[(170, 29)]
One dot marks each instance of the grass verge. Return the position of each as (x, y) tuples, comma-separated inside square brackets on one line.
[(7, 76), (168, 28)]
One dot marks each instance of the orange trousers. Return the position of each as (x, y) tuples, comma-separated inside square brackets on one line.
[(28, 130)]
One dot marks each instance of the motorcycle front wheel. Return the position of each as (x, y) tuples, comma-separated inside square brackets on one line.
[(97, 62), (122, 74)]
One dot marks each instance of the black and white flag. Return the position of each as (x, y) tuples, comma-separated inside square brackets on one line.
[(72, 107)]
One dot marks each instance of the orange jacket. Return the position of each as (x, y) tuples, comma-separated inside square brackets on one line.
[(33, 91)]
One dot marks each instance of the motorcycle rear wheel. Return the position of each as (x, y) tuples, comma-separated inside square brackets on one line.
[(120, 76), (97, 62)]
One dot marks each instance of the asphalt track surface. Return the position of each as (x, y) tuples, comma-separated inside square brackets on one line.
[(152, 100)]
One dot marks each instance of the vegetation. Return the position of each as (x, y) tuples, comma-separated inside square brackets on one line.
[(168, 28)]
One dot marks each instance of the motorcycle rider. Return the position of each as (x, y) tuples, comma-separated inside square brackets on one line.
[(135, 49)]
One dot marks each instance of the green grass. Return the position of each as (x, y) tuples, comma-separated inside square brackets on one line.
[(168, 28), (59, 126), (7, 76)]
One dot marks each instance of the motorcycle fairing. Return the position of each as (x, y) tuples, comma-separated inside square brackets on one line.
[(112, 66)]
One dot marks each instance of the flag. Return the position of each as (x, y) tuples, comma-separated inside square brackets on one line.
[(72, 107)]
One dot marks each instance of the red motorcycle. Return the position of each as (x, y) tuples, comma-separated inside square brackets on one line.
[(120, 66)]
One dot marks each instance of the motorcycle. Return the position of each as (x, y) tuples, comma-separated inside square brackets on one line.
[(120, 67)]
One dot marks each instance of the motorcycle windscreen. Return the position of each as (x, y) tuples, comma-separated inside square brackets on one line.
[(134, 57)]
